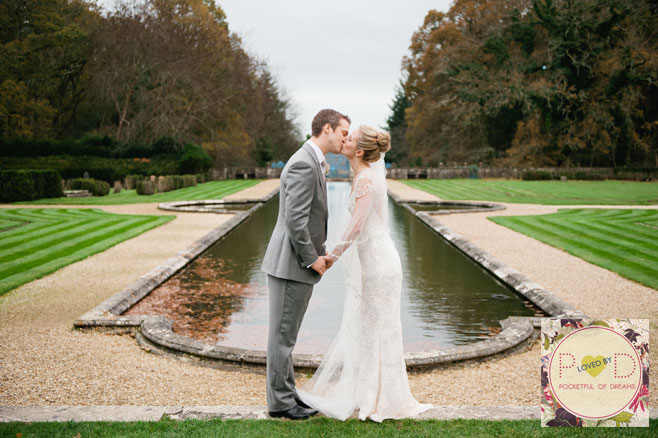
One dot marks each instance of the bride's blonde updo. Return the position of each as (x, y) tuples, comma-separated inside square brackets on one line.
[(372, 142)]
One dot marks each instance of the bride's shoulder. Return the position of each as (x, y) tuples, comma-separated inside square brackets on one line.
[(366, 173), (364, 182), (366, 176)]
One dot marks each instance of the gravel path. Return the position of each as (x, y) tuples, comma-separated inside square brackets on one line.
[(257, 191), (594, 290), (44, 361)]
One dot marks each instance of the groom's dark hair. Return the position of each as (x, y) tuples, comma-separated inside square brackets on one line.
[(326, 116)]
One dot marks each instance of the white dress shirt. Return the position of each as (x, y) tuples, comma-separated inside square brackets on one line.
[(318, 152)]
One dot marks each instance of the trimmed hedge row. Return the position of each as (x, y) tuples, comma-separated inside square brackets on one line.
[(618, 173), (26, 185), (93, 145), (94, 186), (194, 160), (106, 169), (542, 175), (164, 183)]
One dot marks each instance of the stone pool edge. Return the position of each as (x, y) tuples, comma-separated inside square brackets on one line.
[(108, 312), (157, 330), (522, 285)]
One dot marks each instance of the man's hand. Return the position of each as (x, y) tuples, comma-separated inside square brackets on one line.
[(320, 265), (329, 260)]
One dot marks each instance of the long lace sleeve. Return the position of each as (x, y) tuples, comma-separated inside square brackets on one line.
[(365, 197)]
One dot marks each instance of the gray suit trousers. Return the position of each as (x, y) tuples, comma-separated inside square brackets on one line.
[(288, 302)]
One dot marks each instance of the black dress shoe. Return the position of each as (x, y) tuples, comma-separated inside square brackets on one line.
[(294, 413), (304, 405)]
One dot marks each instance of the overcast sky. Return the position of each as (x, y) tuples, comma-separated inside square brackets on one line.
[(338, 54)]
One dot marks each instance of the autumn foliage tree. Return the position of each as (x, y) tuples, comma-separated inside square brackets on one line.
[(535, 82), (145, 71), (44, 48)]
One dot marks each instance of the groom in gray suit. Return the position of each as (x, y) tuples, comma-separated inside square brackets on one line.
[(295, 257)]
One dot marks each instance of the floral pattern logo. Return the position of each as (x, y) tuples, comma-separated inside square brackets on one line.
[(595, 373)]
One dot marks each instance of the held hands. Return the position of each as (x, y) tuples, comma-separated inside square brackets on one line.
[(323, 263), (330, 260), (320, 265)]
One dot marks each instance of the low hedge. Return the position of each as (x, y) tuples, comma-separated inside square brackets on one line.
[(94, 186), (636, 173), (102, 168), (27, 185), (130, 181), (167, 183), (536, 175), (145, 187), (543, 175), (102, 174)]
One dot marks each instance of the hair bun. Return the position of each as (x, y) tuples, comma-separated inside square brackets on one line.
[(373, 143), (383, 141)]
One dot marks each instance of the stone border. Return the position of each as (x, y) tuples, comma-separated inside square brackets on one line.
[(477, 206), (31, 414), (198, 206), (522, 285), (108, 313), (156, 331)]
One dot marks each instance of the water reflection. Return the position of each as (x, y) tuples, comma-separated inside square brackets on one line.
[(222, 297)]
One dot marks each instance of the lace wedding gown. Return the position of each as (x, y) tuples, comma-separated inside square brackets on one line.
[(364, 367)]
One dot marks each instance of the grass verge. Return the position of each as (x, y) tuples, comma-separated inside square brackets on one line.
[(37, 241), (542, 192), (209, 190), (320, 427), (621, 240)]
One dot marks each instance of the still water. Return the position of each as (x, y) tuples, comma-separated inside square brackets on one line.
[(222, 297)]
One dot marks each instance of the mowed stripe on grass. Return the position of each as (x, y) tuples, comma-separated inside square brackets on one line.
[(620, 240), (55, 237), (209, 190), (542, 192)]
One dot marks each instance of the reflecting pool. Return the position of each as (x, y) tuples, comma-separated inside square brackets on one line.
[(222, 296)]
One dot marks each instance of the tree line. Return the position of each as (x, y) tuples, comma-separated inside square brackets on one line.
[(145, 71), (531, 83)]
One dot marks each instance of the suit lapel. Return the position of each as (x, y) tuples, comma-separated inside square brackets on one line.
[(308, 148), (323, 184), (326, 204)]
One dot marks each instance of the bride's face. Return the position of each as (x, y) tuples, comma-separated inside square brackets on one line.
[(349, 147)]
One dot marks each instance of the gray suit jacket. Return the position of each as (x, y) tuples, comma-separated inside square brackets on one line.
[(301, 228)]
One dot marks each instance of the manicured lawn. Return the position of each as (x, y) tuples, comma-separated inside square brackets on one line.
[(315, 427), (209, 190), (542, 192), (621, 240), (37, 241)]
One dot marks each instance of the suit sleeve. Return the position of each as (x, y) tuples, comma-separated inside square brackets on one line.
[(299, 188)]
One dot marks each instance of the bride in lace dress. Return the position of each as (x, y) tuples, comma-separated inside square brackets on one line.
[(364, 368)]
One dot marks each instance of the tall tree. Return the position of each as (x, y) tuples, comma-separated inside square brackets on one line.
[(172, 68), (44, 47), (146, 72), (396, 125), (535, 82)]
